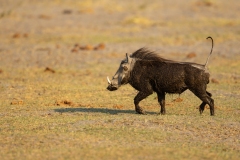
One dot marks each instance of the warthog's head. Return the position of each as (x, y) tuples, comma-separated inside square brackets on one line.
[(122, 75)]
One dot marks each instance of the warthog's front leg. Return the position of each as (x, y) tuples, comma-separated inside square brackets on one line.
[(140, 96)]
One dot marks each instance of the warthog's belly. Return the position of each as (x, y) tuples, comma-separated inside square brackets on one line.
[(175, 88)]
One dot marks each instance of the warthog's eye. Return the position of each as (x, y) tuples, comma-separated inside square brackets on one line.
[(125, 68)]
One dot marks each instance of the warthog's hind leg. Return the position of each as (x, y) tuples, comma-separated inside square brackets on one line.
[(161, 101), (202, 106), (206, 99)]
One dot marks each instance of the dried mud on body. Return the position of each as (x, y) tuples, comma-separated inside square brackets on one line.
[(54, 60)]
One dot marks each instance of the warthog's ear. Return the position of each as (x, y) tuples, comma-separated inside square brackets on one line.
[(127, 57)]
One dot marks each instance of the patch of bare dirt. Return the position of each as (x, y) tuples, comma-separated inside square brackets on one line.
[(44, 16), (100, 46), (191, 55), (178, 99), (87, 47), (20, 35), (117, 106), (17, 102), (64, 103), (214, 80), (67, 11), (50, 70)]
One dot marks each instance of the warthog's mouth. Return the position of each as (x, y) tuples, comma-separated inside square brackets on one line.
[(112, 88)]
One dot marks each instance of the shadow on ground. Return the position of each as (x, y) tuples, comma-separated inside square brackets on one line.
[(96, 110)]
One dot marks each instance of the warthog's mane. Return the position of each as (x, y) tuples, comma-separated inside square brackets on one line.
[(145, 54)]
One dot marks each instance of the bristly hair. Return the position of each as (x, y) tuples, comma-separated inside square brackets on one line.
[(145, 54)]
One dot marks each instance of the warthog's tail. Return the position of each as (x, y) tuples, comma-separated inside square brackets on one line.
[(209, 54)]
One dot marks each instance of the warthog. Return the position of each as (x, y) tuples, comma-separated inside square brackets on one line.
[(147, 72)]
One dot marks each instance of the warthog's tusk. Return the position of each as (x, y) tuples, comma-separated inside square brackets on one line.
[(109, 82)]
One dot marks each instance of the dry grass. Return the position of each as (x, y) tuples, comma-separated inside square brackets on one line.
[(54, 103), (67, 115)]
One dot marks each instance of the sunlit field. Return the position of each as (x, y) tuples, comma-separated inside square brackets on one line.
[(54, 60)]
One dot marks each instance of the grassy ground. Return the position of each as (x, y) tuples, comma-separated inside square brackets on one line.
[(53, 98)]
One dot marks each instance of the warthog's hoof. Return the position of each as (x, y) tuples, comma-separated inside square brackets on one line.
[(161, 113), (143, 113), (140, 111)]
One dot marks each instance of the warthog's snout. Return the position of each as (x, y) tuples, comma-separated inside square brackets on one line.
[(112, 88)]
